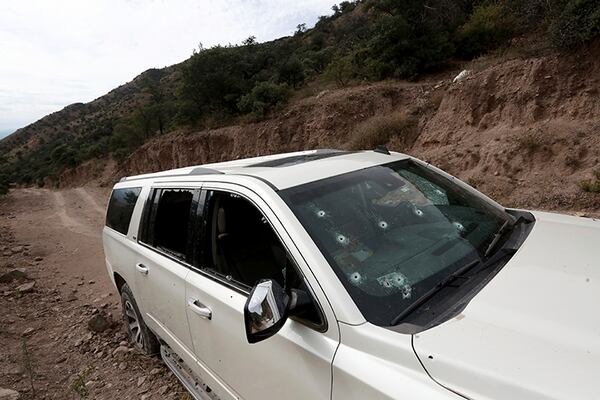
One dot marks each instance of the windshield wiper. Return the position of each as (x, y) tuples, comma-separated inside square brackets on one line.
[(506, 226), (431, 292)]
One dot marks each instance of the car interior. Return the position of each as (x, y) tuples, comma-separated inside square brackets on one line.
[(244, 246)]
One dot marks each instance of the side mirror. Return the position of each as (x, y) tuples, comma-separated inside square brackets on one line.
[(266, 310)]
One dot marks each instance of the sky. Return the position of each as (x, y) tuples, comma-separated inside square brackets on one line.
[(57, 52)]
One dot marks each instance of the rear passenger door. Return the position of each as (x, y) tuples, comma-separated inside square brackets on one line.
[(242, 242), (161, 268)]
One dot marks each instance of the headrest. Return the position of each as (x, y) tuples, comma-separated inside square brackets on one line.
[(221, 225)]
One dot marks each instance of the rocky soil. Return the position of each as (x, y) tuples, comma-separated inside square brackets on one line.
[(61, 335)]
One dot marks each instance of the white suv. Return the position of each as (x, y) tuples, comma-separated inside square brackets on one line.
[(353, 275)]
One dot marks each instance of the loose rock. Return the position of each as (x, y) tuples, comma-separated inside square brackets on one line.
[(28, 331), (120, 350), (8, 394), (16, 249), (17, 274), (99, 322), (163, 389), (26, 287)]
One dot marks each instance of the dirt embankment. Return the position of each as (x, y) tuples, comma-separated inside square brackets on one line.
[(524, 130)]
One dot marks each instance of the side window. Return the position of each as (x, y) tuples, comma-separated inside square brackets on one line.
[(166, 223), (120, 208), (240, 246)]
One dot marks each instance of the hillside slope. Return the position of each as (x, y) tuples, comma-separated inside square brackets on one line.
[(223, 86), (524, 130)]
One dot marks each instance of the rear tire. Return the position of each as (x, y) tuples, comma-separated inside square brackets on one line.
[(139, 334)]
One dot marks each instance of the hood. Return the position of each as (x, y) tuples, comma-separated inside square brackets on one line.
[(534, 331)]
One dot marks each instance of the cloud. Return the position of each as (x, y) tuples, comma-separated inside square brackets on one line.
[(55, 53)]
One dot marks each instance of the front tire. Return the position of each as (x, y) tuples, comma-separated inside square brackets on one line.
[(139, 334)]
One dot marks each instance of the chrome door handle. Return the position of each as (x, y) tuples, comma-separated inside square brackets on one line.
[(141, 268), (200, 308)]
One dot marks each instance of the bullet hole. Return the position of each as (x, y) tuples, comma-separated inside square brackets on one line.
[(343, 240)]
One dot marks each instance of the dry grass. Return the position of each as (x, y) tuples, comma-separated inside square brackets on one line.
[(380, 129), (79, 384), (531, 143), (591, 185)]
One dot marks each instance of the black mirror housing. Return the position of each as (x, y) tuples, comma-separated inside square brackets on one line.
[(266, 310)]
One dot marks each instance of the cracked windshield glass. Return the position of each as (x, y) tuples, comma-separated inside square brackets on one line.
[(393, 232)]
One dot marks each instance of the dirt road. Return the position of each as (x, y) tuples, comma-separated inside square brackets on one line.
[(47, 350)]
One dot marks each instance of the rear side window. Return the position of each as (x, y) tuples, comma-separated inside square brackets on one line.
[(120, 208), (167, 224)]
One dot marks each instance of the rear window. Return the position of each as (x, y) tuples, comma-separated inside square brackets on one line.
[(120, 208)]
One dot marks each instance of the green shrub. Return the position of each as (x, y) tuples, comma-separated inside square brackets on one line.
[(487, 28), (292, 72), (577, 23), (531, 143), (340, 70), (264, 97), (380, 129), (591, 185)]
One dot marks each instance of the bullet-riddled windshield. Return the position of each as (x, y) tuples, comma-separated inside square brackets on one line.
[(393, 232)]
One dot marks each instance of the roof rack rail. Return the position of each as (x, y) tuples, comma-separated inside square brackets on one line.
[(195, 171), (204, 171)]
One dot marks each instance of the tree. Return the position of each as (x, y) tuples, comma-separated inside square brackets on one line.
[(340, 70), (263, 97), (251, 40), (155, 109), (300, 29), (214, 80), (292, 72)]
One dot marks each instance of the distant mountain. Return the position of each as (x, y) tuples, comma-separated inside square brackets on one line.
[(4, 133)]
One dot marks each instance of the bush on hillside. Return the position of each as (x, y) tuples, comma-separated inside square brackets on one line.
[(3, 183), (411, 37), (487, 28), (577, 23), (591, 185), (264, 97), (380, 129), (340, 70), (292, 72)]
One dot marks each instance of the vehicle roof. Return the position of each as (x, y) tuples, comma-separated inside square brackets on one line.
[(282, 171)]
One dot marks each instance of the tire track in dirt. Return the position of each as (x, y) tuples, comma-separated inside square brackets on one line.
[(47, 350), (89, 199), (70, 223)]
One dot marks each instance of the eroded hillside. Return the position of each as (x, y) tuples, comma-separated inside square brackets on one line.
[(523, 130)]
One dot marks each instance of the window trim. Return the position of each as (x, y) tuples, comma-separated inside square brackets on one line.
[(240, 288)]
